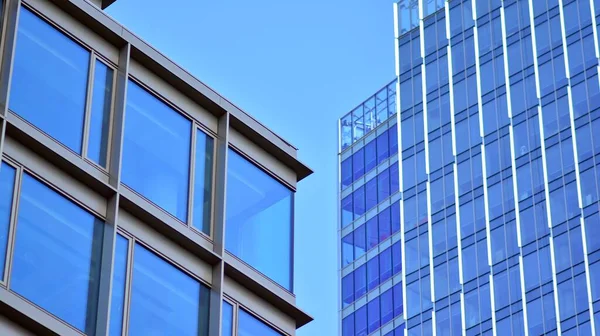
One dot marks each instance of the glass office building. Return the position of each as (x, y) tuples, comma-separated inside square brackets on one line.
[(499, 142), (369, 231), (134, 200)]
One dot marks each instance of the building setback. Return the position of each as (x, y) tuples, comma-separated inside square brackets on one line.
[(134, 200), (499, 135)]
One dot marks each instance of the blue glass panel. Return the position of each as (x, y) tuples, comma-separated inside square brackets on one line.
[(259, 220), (348, 325), (56, 68), (373, 311), (360, 320), (372, 233), (118, 286), (347, 249), (156, 151), (249, 325), (371, 193), (383, 218), (398, 308), (397, 258), (370, 156), (385, 264), (348, 289), (358, 164), (346, 172), (100, 113), (360, 281), (154, 279), (203, 177), (383, 185), (387, 306), (227, 323), (62, 274), (7, 183), (373, 273), (382, 147)]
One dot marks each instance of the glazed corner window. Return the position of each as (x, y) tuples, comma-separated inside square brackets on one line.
[(57, 254), (165, 300), (156, 151), (249, 325), (259, 220), (57, 68)]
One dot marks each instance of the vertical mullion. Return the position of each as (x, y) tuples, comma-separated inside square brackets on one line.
[(88, 105), (118, 121), (128, 285), (10, 20), (192, 176), (13, 225), (107, 266), (218, 272)]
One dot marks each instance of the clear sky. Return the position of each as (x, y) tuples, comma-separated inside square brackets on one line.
[(296, 66)]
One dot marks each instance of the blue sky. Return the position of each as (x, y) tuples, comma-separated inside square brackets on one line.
[(297, 66)]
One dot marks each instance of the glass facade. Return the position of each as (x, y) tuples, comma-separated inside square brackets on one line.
[(499, 116), (121, 176), (371, 264)]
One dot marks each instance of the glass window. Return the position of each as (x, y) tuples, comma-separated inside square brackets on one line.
[(227, 324), (360, 241), (385, 264), (67, 262), (347, 249), (259, 220), (156, 151), (394, 178), (373, 314), (7, 182), (371, 193), (397, 257), (249, 325), (373, 273), (118, 286), (382, 147), (358, 164), (370, 153), (387, 306), (154, 279), (100, 114), (360, 281), (372, 233), (383, 185), (348, 325), (360, 317), (393, 139), (383, 219), (398, 308), (203, 178), (346, 172), (347, 289), (53, 66), (347, 211)]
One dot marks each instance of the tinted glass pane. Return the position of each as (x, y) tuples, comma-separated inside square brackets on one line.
[(156, 151), (61, 275), (154, 279), (259, 220), (7, 182), (203, 182), (56, 68), (100, 113), (118, 286), (227, 324), (249, 325)]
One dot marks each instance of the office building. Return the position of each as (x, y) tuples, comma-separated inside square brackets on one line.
[(134, 200), (369, 231), (499, 142)]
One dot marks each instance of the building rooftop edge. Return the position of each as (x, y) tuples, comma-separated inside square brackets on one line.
[(183, 80)]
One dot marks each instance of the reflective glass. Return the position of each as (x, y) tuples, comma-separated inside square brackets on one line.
[(154, 279), (249, 325), (259, 220), (203, 177), (156, 151), (118, 286), (100, 113), (56, 260), (56, 68), (227, 324), (7, 183)]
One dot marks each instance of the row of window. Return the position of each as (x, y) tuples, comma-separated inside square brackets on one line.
[(370, 234), (368, 157), (157, 146), (375, 314), (367, 196), (371, 274)]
